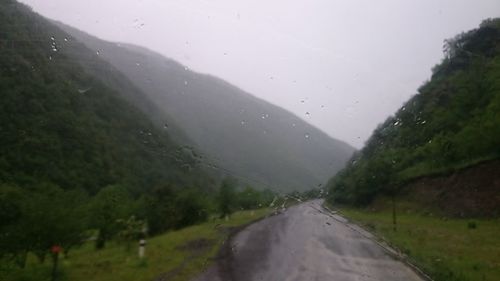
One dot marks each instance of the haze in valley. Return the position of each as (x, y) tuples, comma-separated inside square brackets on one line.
[(319, 59)]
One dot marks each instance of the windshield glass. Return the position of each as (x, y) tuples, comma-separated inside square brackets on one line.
[(249, 140)]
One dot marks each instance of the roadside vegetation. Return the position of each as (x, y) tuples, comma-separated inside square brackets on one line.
[(448, 249), (427, 179), (451, 123), (98, 236), (83, 172), (175, 255)]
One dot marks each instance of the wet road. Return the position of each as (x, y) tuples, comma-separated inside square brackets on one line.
[(307, 243)]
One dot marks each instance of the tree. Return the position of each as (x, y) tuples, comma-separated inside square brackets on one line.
[(226, 197), (249, 198), (131, 230), (159, 209), (44, 216), (191, 207), (106, 208)]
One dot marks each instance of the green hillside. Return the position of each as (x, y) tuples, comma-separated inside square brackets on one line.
[(59, 125), (453, 122), (246, 137)]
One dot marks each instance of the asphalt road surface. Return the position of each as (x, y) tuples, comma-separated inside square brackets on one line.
[(306, 243)]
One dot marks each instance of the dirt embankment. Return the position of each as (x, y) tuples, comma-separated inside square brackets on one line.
[(470, 192)]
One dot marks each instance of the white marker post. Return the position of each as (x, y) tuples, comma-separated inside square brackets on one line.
[(142, 248)]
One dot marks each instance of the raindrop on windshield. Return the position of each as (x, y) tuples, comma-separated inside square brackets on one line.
[(83, 91)]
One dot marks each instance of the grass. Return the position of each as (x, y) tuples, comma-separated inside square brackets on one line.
[(446, 249), (169, 253)]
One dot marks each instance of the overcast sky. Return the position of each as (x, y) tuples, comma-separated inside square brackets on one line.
[(350, 64)]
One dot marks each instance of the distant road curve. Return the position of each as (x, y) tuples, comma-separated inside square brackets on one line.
[(306, 243)]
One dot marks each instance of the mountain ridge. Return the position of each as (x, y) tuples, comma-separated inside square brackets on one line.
[(243, 134)]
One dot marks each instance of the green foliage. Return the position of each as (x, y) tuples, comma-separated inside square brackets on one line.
[(39, 220), (63, 126), (444, 248), (75, 155), (164, 253), (250, 198), (226, 198), (225, 122), (192, 207), (453, 121), (110, 205), (472, 225), (131, 230)]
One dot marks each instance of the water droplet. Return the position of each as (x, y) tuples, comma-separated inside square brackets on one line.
[(65, 39), (243, 122), (52, 38), (423, 122), (293, 124), (83, 91), (165, 126), (307, 136), (307, 113), (185, 82), (138, 64), (98, 53)]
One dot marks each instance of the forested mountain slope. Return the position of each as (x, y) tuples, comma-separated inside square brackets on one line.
[(60, 125), (249, 138), (453, 122)]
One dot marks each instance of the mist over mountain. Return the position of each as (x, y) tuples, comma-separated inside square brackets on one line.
[(246, 137)]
